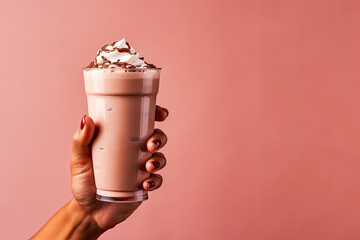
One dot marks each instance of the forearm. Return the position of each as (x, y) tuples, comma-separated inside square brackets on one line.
[(70, 222)]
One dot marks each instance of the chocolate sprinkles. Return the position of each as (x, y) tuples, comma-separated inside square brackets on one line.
[(108, 64)]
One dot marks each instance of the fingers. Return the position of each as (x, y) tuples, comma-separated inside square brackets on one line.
[(156, 141), (153, 182), (157, 162), (161, 113), (81, 154)]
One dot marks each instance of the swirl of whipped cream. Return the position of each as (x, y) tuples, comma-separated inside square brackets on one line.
[(119, 55)]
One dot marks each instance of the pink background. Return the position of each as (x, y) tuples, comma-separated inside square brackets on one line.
[(264, 136)]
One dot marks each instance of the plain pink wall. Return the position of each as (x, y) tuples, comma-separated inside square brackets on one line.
[(264, 136)]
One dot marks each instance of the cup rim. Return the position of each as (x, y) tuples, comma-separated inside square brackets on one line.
[(121, 69)]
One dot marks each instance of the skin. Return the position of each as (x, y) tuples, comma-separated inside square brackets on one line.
[(84, 217)]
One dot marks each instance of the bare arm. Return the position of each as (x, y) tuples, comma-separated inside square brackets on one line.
[(72, 222)]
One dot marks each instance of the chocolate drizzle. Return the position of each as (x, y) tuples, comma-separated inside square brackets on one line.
[(108, 64)]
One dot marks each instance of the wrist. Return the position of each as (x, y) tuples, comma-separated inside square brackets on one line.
[(86, 227)]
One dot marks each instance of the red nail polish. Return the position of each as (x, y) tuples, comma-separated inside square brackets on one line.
[(155, 164), (157, 143), (167, 112), (151, 184), (82, 124)]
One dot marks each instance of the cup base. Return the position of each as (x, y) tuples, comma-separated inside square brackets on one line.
[(121, 197)]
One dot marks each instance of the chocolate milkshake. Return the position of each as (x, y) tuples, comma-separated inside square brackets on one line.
[(121, 91)]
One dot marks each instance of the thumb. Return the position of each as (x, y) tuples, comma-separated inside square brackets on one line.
[(80, 159)]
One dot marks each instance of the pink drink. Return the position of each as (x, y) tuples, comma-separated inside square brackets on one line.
[(122, 104)]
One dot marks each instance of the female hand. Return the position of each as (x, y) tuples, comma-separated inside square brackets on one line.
[(105, 214)]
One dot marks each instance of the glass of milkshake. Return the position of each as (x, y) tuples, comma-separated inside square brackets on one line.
[(121, 92)]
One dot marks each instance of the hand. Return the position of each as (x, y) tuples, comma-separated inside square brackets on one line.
[(106, 215)]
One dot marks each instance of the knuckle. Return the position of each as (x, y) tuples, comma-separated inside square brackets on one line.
[(75, 138), (164, 161), (157, 130), (161, 158), (159, 155), (159, 178), (160, 181)]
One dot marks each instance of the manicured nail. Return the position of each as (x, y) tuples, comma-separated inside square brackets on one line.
[(155, 164), (157, 143), (82, 124), (167, 112), (150, 184)]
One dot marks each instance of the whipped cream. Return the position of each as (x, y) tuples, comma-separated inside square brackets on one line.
[(119, 55)]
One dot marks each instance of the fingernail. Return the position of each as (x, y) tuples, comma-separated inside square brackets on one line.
[(150, 184), (167, 112), (82, 124), (155, 164), (157, 143)]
